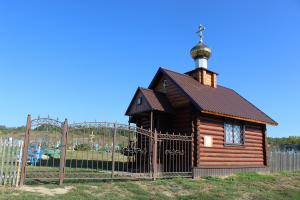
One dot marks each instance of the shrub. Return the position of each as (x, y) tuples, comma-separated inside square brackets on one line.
[(82, 147)]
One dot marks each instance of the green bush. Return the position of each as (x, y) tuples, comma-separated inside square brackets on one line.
[(83, 147)]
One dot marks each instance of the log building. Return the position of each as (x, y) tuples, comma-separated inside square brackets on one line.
[(229, 131)]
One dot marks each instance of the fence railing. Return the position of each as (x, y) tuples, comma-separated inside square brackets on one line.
[(10, 159), (101, 150), (284, 161)]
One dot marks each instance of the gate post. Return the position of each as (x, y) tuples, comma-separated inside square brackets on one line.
[(154, 156), (62, 163), (25, 151), (113, 152)]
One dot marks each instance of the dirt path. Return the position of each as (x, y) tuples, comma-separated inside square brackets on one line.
[(46, 191)]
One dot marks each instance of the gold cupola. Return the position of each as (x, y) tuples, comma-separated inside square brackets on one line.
[(201, 52)]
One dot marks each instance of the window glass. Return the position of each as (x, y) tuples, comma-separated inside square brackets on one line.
[(233, 133), (237, 137), (139, 101), (228, 133)]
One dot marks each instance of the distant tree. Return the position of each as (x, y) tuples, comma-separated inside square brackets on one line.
[(282, 143)]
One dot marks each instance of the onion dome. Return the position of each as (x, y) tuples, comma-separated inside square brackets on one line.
[(200, 51)]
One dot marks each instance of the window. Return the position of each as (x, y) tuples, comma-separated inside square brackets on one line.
[(234, 133), (165, 84), (139, 101)]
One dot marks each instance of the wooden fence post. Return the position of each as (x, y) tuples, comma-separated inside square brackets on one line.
[(298, 161), (7, 163), (62, 163), (19, 161), (2, 174), (271, 157), (154, 156), (113, 152), (25, 151)]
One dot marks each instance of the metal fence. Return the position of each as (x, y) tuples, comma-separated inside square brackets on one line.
[(61, 151), (104, 150), (10, 159), (284, 161), (53, 150)]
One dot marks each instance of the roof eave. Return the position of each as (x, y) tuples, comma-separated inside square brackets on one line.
[(239, 118)]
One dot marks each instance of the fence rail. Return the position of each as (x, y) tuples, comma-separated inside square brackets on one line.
[(284, 161)]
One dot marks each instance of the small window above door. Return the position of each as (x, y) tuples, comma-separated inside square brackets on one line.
[(139, 101)]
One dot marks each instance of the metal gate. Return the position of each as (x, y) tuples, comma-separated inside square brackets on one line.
[(55, 150), (42, 149), (174, 156)]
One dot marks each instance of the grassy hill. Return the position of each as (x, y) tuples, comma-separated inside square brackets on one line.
[(11, 131)]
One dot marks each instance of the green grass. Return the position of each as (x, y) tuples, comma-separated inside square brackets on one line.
[(94, 155), (241, 186)]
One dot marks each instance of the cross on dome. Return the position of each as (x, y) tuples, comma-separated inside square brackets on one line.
[(200, 31)]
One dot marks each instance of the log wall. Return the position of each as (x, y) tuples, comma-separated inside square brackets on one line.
[(182, 120), (179, 122), (143, 121), (175, 96), (251, 153)]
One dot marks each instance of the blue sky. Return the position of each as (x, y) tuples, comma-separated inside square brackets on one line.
[(84, 59)]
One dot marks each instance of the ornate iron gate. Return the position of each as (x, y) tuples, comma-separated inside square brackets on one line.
[(174, 156), (101, 150), (42, 149)]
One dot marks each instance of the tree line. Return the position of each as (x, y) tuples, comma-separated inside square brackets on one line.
[(281, 144), (11, 130), (291, 143)]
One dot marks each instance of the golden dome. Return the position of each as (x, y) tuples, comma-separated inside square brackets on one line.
[(200, 51)]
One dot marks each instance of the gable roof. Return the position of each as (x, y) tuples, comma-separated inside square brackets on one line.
[(220, 101), (157, 101)]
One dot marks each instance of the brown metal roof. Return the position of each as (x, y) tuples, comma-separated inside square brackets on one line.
[(220, 101), (156, 100)]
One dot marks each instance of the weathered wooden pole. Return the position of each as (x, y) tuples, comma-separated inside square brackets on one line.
[(154, 156), (62, 163), (25, 151), (113, 152), (151, 139), (19, 161), (151, 121), (2, 173)]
